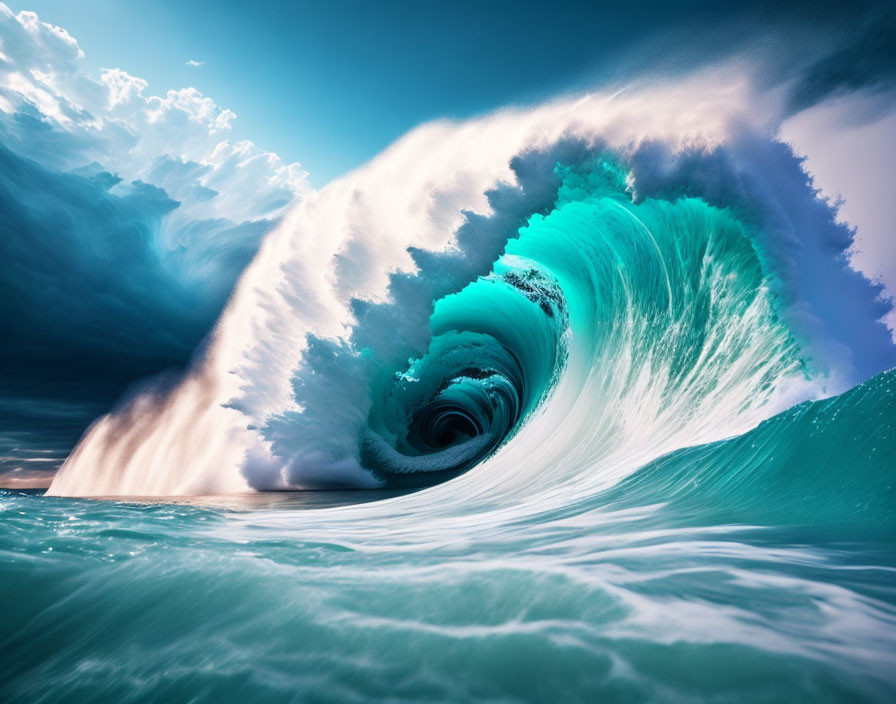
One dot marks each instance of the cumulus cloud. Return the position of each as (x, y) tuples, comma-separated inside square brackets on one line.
[(126, 223), (116, 122), (193, 62), (122, 86)]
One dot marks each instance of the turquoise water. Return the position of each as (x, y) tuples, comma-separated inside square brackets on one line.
[(616, 497), (756, 569)]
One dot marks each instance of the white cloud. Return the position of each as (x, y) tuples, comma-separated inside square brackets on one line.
[(193, 62), (122, 86), (115, 121)]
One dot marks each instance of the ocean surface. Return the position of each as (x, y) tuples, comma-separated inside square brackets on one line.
[(761, 568)]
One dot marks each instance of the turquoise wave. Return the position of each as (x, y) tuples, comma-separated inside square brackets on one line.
[(663, 300), (827, 466)]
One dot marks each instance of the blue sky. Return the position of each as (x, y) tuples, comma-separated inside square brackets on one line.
[(329, 84)]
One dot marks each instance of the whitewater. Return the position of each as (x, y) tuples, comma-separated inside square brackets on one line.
[(603, 411)]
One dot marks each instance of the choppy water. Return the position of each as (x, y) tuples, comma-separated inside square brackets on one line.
[(761, 568)]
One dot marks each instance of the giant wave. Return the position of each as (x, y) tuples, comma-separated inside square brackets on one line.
[(593, 330), (570, 290)]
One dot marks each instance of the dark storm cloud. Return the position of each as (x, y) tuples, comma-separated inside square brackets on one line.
[(866, 61), (91, 301)]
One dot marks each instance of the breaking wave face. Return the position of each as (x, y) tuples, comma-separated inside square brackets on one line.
[(546, 300)]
